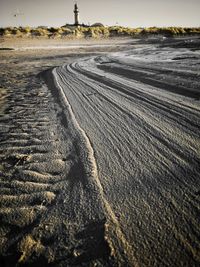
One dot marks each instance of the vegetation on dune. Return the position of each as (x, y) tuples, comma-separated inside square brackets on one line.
[(171, 31), (95, 31)]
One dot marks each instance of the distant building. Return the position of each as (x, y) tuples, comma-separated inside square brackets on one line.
[(97, 24), (77, 23), (76, 15)]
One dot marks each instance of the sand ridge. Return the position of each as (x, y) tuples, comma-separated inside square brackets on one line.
[(48, 215), (56, 207)]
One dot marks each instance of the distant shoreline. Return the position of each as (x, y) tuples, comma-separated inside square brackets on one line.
[(103, 43), (41, 43)]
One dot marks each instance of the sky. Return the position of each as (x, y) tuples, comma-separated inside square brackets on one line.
[(132, 13)]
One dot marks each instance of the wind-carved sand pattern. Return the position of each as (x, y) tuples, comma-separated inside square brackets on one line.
[(122, 250), (140, 109), (50, 213), (135, 116)]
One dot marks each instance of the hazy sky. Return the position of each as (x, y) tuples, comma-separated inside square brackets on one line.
[(133, 13)]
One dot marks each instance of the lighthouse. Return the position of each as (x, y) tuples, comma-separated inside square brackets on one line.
[(76, 15)]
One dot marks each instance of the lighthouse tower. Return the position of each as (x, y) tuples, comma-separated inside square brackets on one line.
[(76, 15)]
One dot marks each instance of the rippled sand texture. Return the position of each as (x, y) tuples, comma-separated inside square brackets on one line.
[(49, 213), (140, 110), (99, 162)]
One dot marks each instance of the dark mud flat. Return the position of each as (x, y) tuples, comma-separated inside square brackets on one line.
[(99, 162)]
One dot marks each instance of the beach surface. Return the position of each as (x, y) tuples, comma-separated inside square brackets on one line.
[(100, 152)]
